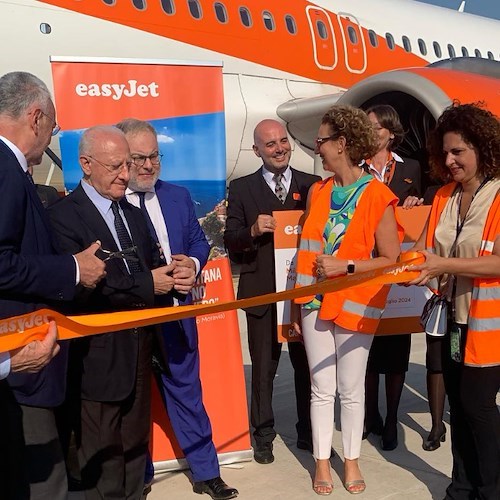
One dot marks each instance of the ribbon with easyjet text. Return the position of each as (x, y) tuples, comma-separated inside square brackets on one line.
[(20, 330)]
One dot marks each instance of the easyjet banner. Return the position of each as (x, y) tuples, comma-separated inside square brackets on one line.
[(404, 304), (184, 102)]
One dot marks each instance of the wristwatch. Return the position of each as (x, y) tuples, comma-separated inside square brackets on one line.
[(351, 268)]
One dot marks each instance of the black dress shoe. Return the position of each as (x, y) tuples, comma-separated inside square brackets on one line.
[(389, 438), (376, 427), (216, 488), (74, 484), (434, 444), (304, 444), (263, 453)]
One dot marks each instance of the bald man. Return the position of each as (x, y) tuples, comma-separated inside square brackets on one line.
[(250, 242)]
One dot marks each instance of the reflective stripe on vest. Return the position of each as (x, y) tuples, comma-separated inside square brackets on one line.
[(311, 245), (362, 309)]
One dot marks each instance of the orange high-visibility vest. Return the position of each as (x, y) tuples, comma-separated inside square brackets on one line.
[(482, 347), (356, 309)]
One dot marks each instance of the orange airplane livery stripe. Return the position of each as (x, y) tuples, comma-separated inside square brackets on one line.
[(20, 330)]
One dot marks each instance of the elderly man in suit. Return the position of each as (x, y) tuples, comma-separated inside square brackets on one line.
[(170, 214), (31, 275), (115, 367), (249, 240)]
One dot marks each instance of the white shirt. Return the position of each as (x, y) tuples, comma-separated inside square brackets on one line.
[(381, 175), (269, 178)]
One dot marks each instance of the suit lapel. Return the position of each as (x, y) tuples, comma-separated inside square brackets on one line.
[(169, 208)]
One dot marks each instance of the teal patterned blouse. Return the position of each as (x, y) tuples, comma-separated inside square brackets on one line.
[(343, 202)]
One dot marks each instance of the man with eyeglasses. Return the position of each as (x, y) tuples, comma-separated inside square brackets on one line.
[(114, 368), (250, 242), (31, 276), (170, 215)]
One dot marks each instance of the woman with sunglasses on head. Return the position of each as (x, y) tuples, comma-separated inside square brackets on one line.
[(462, 242), (350, 227), (389, 355)]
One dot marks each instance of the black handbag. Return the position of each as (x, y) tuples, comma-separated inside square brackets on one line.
[(434, 318)]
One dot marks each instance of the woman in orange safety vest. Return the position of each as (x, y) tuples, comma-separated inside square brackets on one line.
[(462, 249), (350, 227)]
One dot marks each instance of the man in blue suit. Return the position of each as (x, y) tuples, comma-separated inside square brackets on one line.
[(31, 275), (169, 212)]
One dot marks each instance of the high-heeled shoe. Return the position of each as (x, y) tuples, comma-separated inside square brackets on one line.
[(376, 428), (434, 444), (389, 440)]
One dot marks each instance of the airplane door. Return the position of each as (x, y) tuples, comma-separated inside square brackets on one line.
[(354, 43), (323, 39)]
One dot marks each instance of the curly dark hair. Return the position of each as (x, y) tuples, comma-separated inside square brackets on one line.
[(388, 118), (478, 127), (354, 125)]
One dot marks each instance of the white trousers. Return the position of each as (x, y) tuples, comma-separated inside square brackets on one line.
[(337, 362)]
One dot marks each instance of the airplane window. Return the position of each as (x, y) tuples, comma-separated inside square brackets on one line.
[(437, 49), (139, 4), (490, 55), (451, 50), (168, 6), (352, 35), (422, 47), (320, 26), (109, 2), (390, 41), (46, 29), (268, 19), (194, 8), (220, 12), (373, 38), (465, 52), (477, 52), (245, 17), (290, 24), (406, 43)]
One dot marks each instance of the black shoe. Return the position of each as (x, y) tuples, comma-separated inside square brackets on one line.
[(374, 428), (263, 453), (305, 444), (74, 484), (389, 438), (216, 488), (434, 444)]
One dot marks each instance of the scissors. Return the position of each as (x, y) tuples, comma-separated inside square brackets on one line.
[(127, 254)]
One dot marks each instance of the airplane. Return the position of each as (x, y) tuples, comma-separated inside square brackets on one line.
[(290, 60)]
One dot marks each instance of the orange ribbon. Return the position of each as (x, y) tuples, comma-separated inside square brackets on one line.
[(20, 330)]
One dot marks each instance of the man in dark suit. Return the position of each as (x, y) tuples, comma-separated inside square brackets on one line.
[(173, 224), (31, 275), (249, 240), (48, 194), (115, 367)]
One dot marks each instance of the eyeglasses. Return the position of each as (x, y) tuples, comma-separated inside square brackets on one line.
[(140, 160), (114, 169), (320, 140), (55, 127)]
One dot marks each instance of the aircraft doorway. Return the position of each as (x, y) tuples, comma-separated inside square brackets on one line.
[(354, 43), (323, 39)]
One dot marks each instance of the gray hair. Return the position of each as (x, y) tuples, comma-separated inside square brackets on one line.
[(90, 137), (134, 126), (20, 90)]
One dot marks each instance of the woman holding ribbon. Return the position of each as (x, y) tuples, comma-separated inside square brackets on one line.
[(350, 227), (464, 150)]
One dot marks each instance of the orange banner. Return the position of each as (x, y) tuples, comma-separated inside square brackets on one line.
[(20, 330)]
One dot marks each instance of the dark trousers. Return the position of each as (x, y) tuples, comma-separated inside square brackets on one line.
[(265, 353), (114, 442), (31, 459), (475, 429), (180, 388)]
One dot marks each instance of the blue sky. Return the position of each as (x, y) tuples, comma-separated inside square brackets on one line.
[(487, 8)]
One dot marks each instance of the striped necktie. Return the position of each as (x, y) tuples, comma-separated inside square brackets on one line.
[(124, 237)]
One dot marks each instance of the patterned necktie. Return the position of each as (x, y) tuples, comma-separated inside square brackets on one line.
[(28, 175), (279, 188), (123, 237)]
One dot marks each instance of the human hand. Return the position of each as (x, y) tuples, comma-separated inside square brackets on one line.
[(328, 266), (264, 224), (92, 269), (295, 318), (184, 273), (412, 201), (34, 356), (163, 280), (430, 269)]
